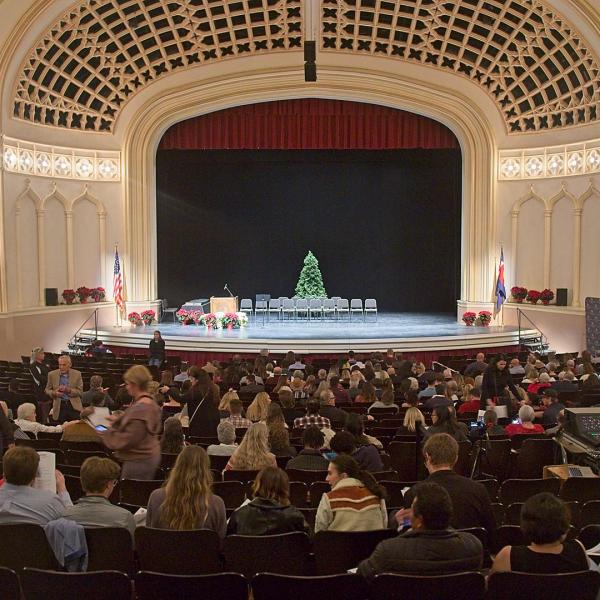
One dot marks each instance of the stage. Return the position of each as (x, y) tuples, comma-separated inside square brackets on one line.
[(404, 332)]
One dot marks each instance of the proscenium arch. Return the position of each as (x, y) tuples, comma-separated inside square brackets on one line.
[(459, 113)]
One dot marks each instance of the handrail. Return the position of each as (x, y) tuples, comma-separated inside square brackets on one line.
[(521, 313), (95, 315)]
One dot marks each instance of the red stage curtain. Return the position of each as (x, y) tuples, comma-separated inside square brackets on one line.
[(308, 123)]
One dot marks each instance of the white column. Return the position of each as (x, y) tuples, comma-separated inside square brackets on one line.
[(577, 256), (102, 234), (547, 248), (41, 254), (18, 261), (514, 229), (70, 257)]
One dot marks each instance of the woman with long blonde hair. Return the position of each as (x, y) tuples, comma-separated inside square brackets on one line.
[(259, 409), (186, 501), (253, 453), (225, 400), (413, 420)]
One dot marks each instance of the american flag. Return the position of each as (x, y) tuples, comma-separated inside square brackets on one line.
[(118, 284), (500, 288)]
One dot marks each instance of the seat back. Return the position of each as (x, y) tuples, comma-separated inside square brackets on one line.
[(51, 585), (78, 457), (109, 549), (233, 493), (160, 586), (506, 535), (590, 513), (316, 303), (137, 491), (495, 458), (456, 586), (246, 304), (356, 304), (243, 476), (395, 497), (370, 304), (261, 305), (328, 304), (306, 476), (286, 553), (405, 459), (274, 304), (580, 489), (288, 304), (301, 304), (188, 552), (267, 586), (338, 551), (583, 585), (342, 304), (518, 490), (9, 584), (25, 545)]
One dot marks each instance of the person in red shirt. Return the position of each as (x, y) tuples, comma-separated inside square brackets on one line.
[(526, 416), (542, 383), (472, 403)]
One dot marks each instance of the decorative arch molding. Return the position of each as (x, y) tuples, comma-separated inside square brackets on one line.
[(458, 113), (549, 204), (68, 205)]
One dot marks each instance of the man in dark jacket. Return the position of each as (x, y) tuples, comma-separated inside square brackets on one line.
[(429, 547), (471, 502), (336, 416), (310, 458)]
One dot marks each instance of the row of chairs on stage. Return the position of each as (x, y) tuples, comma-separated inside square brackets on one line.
[(304, 308)]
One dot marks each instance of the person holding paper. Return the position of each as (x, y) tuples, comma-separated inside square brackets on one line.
[(20, 501)]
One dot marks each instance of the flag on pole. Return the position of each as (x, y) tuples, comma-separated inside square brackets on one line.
[(118, 284), (500, 289)]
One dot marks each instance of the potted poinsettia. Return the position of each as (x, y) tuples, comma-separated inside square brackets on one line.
[(148, 317), (184, 316), (484, 318), (546, 296), (134, 318), (69, 296), (98, 294), (197, 317), (469, 318), (230, 321), (83, 293), (518, 293), (211, 320), (533, 296)]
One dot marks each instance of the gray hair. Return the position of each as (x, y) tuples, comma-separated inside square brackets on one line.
[(490, 416), (26, 410), (34, 353), (526, 413), (95, 381), (226, 432)]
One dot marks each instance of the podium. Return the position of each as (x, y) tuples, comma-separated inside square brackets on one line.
[(227, 304)]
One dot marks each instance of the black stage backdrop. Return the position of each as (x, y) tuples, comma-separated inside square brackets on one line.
[(384, 224)]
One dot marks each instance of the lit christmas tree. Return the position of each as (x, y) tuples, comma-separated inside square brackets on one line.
[(310, 282)]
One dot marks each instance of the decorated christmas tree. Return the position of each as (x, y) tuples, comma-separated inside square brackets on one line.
[(310, 282)]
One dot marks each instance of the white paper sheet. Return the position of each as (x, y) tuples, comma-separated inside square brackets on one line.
[(46, 477)]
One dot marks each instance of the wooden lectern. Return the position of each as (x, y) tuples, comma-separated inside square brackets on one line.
[(228, 304)]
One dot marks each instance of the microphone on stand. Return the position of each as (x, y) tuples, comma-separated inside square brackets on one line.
[(226, 287)]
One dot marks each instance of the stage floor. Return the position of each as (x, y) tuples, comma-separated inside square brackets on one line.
[(401, 331)]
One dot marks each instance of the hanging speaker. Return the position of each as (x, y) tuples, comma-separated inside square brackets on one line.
[(310, 72), (51, 296), (561, 297), (310, 51)]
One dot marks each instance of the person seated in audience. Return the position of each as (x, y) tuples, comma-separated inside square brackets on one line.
[(591, 384), (387, 401), (525, 425), (211, 367), (297, 365), (515, 367), (478, 367), (568, 368), (227, 397), (430, 390), (543, 382), (490, 422), (25, 421), (275, 416), (472, 403), (297, 385), (20, 502), (226, 437), (254, 379), (355, 425), (545, 521), (84, 430), (345, 377), (270, 512), (336, 416), (99, 477), (430, 546), (439, 398), (368, 394), (279, 440), (414, 423), (368, 458), (274, 376), (310, 458), (259, 408), (356, 501), (172, 440), (356, 382), (186, 500), (312, 417), (411, 398), (340, 394), (172, 399), (444, 421), (251, 386), (380, 373), (235, 415), (566, 383), (470, 499), (531, 374), (253, 453), (96, 388), (288, 406), (183, 373), (552, 407)]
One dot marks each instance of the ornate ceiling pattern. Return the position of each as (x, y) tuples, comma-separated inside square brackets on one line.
[(533, 64)]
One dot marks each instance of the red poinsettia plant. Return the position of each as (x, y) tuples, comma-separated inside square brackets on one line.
[(484, 317), (518, 293), (546, 296), (184, 316), (83, 293), (230, 321), (98, 294), (469, 318), (197, 317), (211, 320), (134, 318), (69, 295), (533, 296), (148, 317)]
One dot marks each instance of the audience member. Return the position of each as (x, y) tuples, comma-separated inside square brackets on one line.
[(259, 408), (20, 502), (183, 372), (337, 417), (253, 453), (470, 499), (25, 421), (496, 379), (367, 395), (96, 388), (355, 426), (279, 440), (224, 409), (252, 386), (340, 394), (202, 402), (525, 425), (235, 415), (186, 500), (270, 512), (490, 422), (444, 421), (172, 440), (430, 390), (543, 382), (65, 387), (516, 368), (226, 437), (99, 477), (367, 456), (275, 416), (552, 407), (478, 367), (156, 350), (430, 546), (472, 403), (356, 501), (310, 458), (387, 401), (438, 399), (134, 434), (39, 369), (312, 417), (568, 383), (545, 521), (414, 422)]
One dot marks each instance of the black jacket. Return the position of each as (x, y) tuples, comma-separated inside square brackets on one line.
[(157, 349), (265, 517), (337, 416), (494, 384), (39, 374), (202, 412), (422, 552)]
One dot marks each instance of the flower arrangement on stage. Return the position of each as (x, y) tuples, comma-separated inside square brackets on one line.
[(148, 317), (197, 317), (184, 316), (469, 318), (212, 321), (546, 296), (134, 318), (533, 296), (518, 293), (484, 318), (83, 293), (98, 294), (69, 296)]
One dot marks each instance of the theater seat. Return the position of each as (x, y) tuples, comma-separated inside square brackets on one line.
[(9, 584), (267, 586), (221, 586), (457, 586)]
